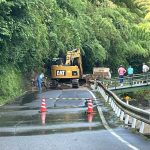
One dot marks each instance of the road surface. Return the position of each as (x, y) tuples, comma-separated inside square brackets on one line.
[(65, 125)]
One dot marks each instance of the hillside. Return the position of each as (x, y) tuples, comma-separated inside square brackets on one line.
[(109, 33)]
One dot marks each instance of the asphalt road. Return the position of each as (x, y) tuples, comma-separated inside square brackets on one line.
[(65, 125)]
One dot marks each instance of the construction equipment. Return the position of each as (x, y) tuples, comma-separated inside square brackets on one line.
[(71, 70), (101, 73)]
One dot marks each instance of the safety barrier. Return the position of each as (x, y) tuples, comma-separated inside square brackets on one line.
[(138, 79), (127, 113)]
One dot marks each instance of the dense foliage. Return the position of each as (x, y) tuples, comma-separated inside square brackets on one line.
[(109, 32), (10, 83)]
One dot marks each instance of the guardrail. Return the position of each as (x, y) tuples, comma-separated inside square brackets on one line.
[(126, 112), (137, 79)]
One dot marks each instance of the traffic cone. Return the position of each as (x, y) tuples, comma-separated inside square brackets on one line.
[(87, 100), (43, 117), (90, 117), (90, 98), (90, 107), (43, 106)]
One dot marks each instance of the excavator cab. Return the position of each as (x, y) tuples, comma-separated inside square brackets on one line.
[(57, 61)]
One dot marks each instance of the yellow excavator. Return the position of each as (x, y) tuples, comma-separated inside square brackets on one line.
[(71, 70)]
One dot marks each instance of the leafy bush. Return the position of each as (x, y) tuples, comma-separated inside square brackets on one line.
[(10, 83)]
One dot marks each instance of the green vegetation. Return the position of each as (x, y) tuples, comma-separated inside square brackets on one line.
[(139, 98), (10, 83), (109, 32)]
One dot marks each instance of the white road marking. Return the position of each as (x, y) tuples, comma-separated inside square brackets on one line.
[(67, 98), (109, 129)]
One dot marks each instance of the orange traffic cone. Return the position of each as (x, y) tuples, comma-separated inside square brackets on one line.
[(43, 117), (90, 117), (90, 107), (43, 106)]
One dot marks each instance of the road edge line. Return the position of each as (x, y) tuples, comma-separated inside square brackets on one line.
[(111, 130)]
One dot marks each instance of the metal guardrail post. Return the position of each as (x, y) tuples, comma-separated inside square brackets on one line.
[(142, 127), (133, 122), (118, 113), (126, 119), (122, 115)]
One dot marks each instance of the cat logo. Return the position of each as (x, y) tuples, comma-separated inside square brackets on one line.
[(60, 72)]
